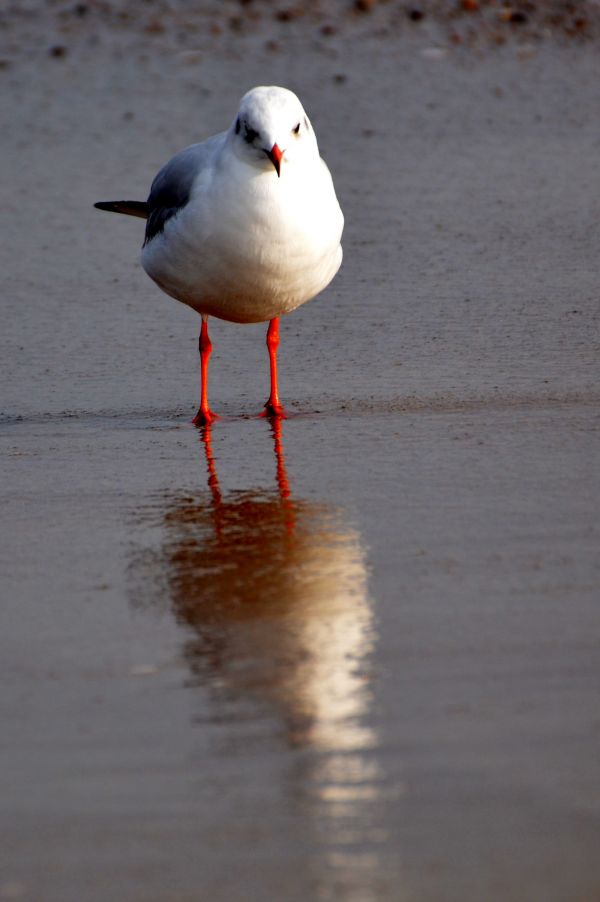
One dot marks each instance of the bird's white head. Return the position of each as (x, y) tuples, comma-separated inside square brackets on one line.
[(272, 131)]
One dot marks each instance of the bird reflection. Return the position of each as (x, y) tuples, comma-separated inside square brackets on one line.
[(275, 590), (272, 592)]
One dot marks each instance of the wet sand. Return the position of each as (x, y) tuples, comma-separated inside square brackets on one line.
[(357, 657)]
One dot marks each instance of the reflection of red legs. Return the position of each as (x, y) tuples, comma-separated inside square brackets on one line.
[(205, 414), (213, 479), (273, 407), (282, 479)]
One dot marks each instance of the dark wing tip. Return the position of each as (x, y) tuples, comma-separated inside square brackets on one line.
[(127, 207)]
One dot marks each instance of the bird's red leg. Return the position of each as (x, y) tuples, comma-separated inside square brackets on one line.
[(205, 414), (273, 407)]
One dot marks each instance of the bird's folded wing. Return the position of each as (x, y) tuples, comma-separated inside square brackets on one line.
[(172, 187)]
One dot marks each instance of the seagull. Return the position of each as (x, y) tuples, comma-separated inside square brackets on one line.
[(244, 226)]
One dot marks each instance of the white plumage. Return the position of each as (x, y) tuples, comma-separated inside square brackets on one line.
[(249, 246), (245, 226)]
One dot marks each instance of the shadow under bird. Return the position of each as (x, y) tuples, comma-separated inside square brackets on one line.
[(244, 226)]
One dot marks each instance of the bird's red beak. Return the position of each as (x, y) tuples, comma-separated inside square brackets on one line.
[(275, 155)]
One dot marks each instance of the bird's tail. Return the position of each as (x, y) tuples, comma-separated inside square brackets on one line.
[(128, 207)]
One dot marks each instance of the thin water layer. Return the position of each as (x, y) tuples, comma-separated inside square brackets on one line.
[(230, 665)]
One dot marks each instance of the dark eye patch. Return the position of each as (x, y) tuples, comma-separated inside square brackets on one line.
[(296, 129), (237, 125), (250, 134)]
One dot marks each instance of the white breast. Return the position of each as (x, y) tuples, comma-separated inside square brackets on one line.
[(249, 246)]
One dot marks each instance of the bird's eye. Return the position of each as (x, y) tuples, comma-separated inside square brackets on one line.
[(296, 129), (250, 134)]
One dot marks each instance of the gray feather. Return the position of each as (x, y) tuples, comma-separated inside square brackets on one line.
[(171, 189)]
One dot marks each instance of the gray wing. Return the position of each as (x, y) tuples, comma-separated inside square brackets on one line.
[(171, 189)]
